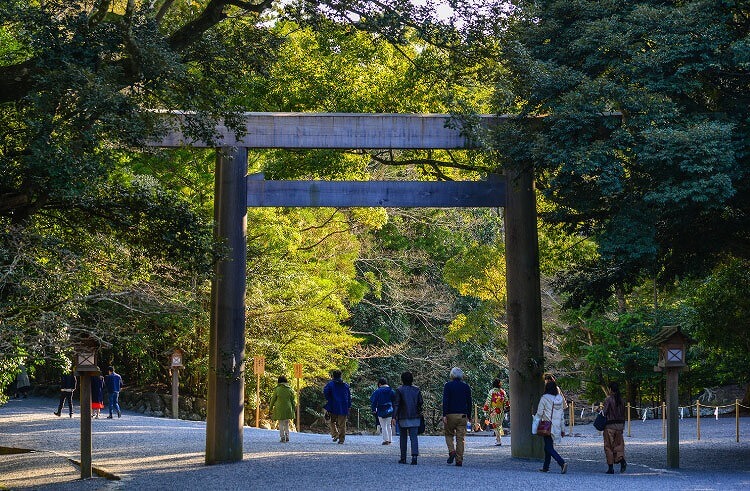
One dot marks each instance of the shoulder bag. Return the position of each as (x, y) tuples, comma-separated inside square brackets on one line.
[(600, 422), (545, 427)]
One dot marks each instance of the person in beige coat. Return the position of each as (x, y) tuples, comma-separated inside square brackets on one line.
[(551, 409)]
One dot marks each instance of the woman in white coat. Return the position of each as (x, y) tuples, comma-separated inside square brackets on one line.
[(551, 409)]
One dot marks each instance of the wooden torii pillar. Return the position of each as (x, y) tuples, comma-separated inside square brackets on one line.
[(235, 192)]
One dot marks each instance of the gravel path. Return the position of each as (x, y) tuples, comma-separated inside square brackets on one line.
[(156, 453)]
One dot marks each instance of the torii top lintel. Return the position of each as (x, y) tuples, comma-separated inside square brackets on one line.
[(336, 131)]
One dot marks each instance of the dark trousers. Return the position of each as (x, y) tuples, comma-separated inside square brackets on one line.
[(65, 396), (411, 433), (551, 453)]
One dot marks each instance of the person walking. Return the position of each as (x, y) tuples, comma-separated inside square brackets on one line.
[(282, 407), (113, 382), (22, 383), (382, 405), (495, 405), (456, 409), (97, 395), (338, 401), (407, 411), (68, 385), (614, 444), (550, 408)]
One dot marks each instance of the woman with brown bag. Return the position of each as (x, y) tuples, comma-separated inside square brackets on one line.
[(550, 410)]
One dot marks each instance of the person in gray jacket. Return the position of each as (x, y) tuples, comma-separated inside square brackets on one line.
[(407, 413)]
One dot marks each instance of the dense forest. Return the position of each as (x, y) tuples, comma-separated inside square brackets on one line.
[(633, 115)]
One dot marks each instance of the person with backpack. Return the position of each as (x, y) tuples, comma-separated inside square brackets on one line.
[(381, 403)]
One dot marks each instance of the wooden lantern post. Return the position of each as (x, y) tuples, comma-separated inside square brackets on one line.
[(672, 344), (298, 376), (86, 366), (259, 367), (176, 362)]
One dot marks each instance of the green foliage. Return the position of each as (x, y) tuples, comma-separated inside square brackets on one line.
[(647, 186), (717, 316)]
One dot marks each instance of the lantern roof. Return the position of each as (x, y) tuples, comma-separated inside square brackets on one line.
[(671, 334)]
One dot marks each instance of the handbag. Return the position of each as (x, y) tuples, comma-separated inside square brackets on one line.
[(600, 422), (421, 428), (545, 427), (535, 424)]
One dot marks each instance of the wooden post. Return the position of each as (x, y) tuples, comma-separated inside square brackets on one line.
[(698, 418), (175, 393), (737, 418), (663, 420), (572, 416), (525, 346), (298, 376), (673, 419), (628, 409), (257, 399), (85, 426), (226, 350), (259, 367)]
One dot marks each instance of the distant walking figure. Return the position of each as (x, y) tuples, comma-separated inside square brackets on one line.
[(382, 405), (68, 385), (456, 410), (408, 414), (22, 383), (551, 409), (113, 381), (338, 401), (495, 406), (614, 444), (282, 407), (97, 395)]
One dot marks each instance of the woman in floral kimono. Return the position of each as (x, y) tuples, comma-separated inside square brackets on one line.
[(495, 405)]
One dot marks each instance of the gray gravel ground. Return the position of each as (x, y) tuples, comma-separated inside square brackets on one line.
[(156, 453)]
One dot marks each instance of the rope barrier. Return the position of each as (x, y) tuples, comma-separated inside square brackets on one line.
[(643, 413)]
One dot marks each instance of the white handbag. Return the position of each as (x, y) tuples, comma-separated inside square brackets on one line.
[(535, 424)]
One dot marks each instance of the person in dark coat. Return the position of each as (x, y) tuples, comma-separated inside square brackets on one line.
[(338, 401), (68, 385), (407, 413), (97, 395), (456, 410)]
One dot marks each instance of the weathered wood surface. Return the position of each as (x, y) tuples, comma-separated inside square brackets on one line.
[(226, 345), (335, 131), (392, 194)]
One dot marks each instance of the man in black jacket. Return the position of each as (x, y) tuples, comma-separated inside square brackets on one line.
[(68, 385)]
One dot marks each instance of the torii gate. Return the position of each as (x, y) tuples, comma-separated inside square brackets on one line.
[(234, 192)]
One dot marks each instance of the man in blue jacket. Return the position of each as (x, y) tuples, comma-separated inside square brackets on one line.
[(338, 401), (456, 409), (113, 381), (381, 403)]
